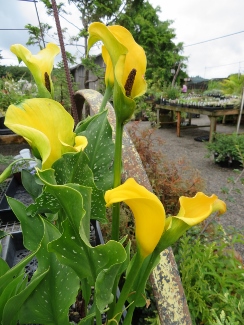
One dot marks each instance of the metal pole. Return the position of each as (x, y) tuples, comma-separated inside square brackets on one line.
[(240, 114), (66, 68), (37, 19), (39, 25)]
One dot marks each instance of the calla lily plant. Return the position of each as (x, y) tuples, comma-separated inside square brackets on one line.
[(74, 183), (125, 69)]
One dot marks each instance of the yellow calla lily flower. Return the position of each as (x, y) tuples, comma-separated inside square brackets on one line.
[(47, 127), (135, 59), (125, 65), (148, 212), (196, 209), (40, 65)]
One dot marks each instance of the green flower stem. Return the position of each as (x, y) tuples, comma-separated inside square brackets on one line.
[(177, 229), (98, 317), (139, 289), (131, 277), (106, 97), (9, 170), (117, 178)]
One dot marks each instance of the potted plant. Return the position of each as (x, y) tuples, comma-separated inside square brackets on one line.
[(228, 150)]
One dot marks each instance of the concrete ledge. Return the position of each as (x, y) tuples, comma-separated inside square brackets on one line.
[(165, 279)]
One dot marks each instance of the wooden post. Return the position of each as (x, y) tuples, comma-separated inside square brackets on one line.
[(240, 114), (212, 127), (158, 113), (178, 123)]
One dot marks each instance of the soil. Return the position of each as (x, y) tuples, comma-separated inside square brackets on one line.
[(215, 177)]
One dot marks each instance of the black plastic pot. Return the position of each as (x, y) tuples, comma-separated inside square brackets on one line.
[(228, 162), (3, 129), (6, 214), (11, 188)]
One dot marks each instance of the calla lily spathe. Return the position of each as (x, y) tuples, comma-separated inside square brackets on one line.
[(196, 209), (40, 65), (122, 55), (47, 127), (147, 209), (192, 211), (135, 59)]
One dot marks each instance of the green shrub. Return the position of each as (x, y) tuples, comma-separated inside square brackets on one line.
[(171, 92), (227, 147), (14, 92)]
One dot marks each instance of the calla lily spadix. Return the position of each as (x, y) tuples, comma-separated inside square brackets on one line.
[(40, 65), (125, 66), (47, 127), (196, 209), (147, 209)]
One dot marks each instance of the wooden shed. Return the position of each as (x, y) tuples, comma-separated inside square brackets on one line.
[(78, 73)]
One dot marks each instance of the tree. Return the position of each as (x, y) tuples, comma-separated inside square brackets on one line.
[(36, 34), (94, 11), (233, 85), (142, 20), (16, 72), (156, 37)]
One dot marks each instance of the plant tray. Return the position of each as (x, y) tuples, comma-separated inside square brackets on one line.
[(13, 251), (13, 189)]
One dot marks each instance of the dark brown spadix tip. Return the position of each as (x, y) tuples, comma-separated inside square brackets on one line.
[(129, 82), (47, 81)]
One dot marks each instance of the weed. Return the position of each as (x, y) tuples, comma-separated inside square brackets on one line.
[(212, 275)]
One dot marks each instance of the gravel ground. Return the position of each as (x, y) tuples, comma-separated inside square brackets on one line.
[(215, 177), (175, 148)]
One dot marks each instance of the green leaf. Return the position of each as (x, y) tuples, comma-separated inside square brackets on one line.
[(73, 168), (51, 298), (82, 125), (105, 259), (14, 272), (104, 286), (70, 198), (2, 234), (29, 183), (32, 227), (3, 267), (100, 150), (17, 301), (10, 290), (44, 203)]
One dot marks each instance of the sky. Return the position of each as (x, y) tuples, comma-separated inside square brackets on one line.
[(194, 22)]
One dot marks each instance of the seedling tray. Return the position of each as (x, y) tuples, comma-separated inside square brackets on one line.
[(13, 189), (13, 252)]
